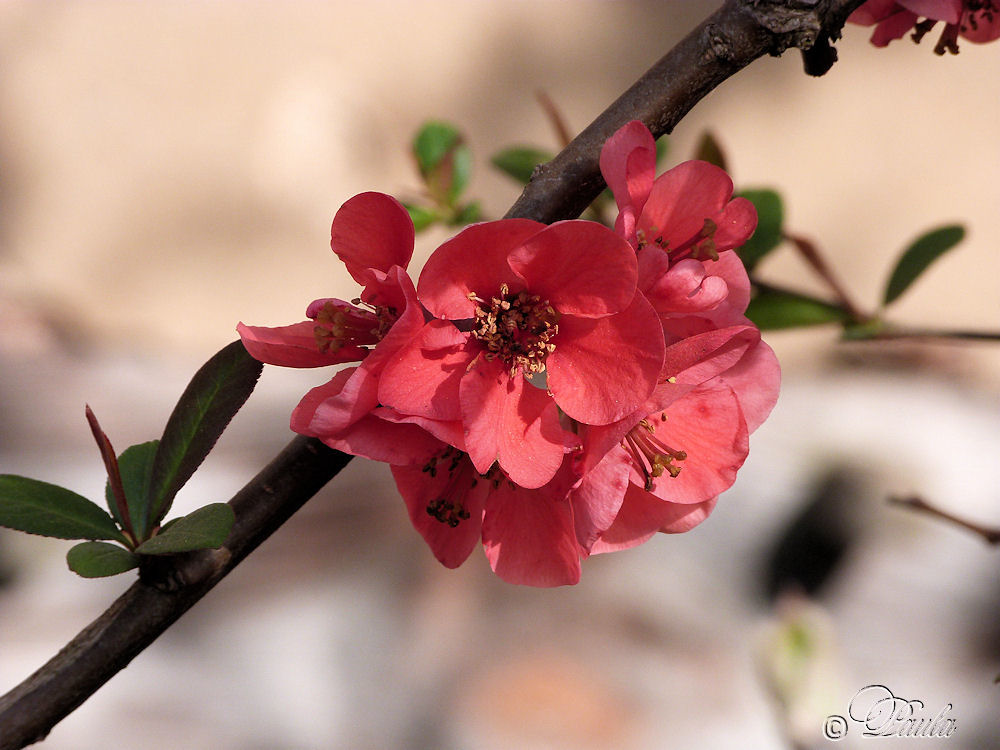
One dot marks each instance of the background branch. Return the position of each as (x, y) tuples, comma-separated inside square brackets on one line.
[(735, 35)]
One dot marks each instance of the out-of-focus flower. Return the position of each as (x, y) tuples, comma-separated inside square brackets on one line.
[(976, 20), (529, 318)]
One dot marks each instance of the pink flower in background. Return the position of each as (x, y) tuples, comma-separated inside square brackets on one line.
[(373, 235), (976, 20), (541, 316)]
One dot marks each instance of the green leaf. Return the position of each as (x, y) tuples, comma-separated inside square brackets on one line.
[(421, 216), (777, 308), (135, 465), (770, 218), (211, 400), (662, 148), (709, 150), (206, 528), (50, 510), (519, 162), (469, 213), (918, 256), (444, 161), (100, 559)]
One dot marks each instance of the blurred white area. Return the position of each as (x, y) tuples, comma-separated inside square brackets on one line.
[(167, 169)]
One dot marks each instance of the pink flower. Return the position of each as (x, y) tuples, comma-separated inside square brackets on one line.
[(685, 444), (531, 536), (541, 316), (976, 20), (373, 235)]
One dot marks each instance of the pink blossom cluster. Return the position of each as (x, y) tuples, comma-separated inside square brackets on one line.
[(975, 20), (549, 391)]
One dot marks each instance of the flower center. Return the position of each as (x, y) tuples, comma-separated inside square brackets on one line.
[(341, 324), (699, 247), (516, 328), (651, 456), (448, 507)]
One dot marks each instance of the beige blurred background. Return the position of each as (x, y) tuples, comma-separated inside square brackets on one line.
[(168, 169)]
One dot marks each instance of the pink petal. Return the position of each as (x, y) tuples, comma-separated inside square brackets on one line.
[(598, 498), (683, 518), (686, 288), (472, 262), (756, 380), (872, 12), (604, 369), (423, 377), (680, 201), (642, 515), (511, 422), (949, 11), (894, 27), (581, 267), (372, 230), (330, 408), (293, 346), (628, 163), (735, 224), (452, 433), (450, 545), (379, 440), (696, 359), (730, 269), (529, 537), (708, 425)]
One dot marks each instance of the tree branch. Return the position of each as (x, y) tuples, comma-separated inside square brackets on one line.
[(735, 35)]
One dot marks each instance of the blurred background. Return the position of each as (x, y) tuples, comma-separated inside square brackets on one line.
[(168, 169)]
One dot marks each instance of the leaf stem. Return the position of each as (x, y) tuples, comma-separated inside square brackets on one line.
[(913, 502), (812, 255)]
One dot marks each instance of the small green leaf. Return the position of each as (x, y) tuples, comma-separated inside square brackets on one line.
[(211, 400), (919, 255), (50, 510), (709, 150), (770, 218), (206, 528), (100, 559), (467, 214), (777, 308), (135, 465), (662, 148), (860, 331), (434, 141), (519, 162), (421, 216), (444, 161)]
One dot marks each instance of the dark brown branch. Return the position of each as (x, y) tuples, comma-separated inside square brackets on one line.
[(163, 593), (730, 39), (738, 33)]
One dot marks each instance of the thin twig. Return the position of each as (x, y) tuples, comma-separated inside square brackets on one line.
[(991, 535), (556, 119), (731, 38), (808, 250), (954, 336)]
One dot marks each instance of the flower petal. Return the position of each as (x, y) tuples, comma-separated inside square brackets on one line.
[(511, 422), (708, 425), (293, 346), (372, 230), (604, 369), (529, 537), (756, 380), (683, 197), (472, 262), (580, 267), (598, 498), (451, 545), (642, 515), (628, 163), (423, 377)]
